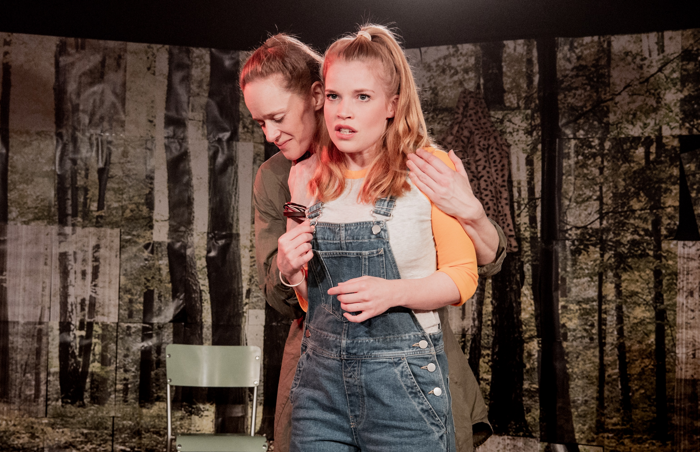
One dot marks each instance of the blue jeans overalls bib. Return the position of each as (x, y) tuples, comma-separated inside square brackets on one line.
[(379, 385)]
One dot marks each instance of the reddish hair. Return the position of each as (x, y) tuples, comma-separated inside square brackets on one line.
[(284, 55), (298, 65), (405, 132)]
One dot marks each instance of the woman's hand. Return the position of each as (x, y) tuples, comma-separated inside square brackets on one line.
[(452, 193), (368, 296), (449, 190), (299, 177), (294, 251)]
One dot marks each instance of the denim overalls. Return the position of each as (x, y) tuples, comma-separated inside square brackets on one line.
[(379, 385)]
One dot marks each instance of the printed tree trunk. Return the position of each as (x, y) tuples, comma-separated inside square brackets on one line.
[(223, 238), (654, 194), (556, 420), (148, 333), (146, 361), (600, 301), (621, 346), (39, 350), (186, 293), (532, 199), (619, 263), (151, 339), (601, 317), (4, 160), (89, 91), (506, 409), (68, 160)]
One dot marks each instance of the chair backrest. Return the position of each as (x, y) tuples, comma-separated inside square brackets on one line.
[(213, 365)]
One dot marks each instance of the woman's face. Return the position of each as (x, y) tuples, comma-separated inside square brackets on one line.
[(357, 107), (287, 119)]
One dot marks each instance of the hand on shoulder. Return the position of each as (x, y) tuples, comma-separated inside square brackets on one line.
[(448, 189), (299, 177)]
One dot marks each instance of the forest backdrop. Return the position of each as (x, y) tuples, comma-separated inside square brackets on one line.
[(126, 224)]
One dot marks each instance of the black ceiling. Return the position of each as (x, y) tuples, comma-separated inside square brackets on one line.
[(235, 24)]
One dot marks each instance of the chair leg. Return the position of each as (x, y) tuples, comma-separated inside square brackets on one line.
[(255, 407), (170, 428)]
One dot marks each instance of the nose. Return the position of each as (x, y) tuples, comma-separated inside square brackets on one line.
[(272, 133), (344, 111)]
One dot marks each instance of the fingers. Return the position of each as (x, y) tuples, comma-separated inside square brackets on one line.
[(429, 164), (298, 235), (429, 192), (361, 317), (304, 226), (351, 301), (293, 253), (301, 239), (348, 299), (294, 248), (459, 166), (307, 256), (343, 288), (426, 181)]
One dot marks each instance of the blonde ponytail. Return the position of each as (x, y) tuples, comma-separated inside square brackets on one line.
[(405, 133)]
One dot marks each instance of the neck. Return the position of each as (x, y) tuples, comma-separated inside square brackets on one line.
[(359, 160), (306, 155)]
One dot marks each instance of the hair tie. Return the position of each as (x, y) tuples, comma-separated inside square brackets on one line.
[(364, 34)]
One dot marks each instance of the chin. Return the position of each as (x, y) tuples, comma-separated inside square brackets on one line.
[(347, 150), (291, 154)]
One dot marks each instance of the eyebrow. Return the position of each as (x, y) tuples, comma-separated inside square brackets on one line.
[(357, 91), (271, 115)]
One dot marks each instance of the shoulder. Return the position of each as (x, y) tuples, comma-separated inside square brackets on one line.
[(274, 170), (442, 155)]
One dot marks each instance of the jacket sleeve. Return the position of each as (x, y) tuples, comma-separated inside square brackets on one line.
[(495, 266), (270, 192)]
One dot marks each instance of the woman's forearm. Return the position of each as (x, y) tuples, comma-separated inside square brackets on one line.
[(429, 293), (484, 236)]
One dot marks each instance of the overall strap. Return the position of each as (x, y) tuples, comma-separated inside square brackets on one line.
[(384, 206), (314, 212)]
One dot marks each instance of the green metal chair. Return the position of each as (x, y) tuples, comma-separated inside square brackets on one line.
[(214, 366)]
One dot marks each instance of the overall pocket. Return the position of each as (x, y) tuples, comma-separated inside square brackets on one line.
[(424, 384), (333, 267)]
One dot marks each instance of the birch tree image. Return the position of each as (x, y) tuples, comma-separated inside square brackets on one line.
[(556, 422), (6, 80), (89, 97)]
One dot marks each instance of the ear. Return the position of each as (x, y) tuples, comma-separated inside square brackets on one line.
[(317, 95), (391, 108)]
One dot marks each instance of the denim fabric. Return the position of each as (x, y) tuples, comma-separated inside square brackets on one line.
[(379, 385)]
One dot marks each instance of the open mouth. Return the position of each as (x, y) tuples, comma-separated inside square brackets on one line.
[(345, 131)]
